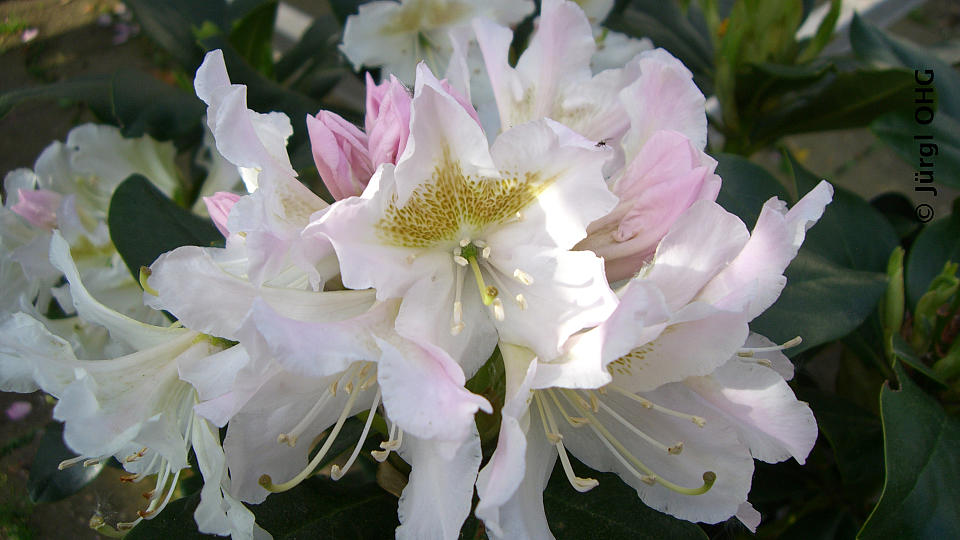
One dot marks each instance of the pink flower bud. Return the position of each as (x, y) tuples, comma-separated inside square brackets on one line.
[(218, 206), (387, 120), (340, 153), (38, 206)]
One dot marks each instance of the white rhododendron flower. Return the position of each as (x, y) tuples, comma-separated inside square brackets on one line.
[(549, 203), (684, 401), (398, 35), (475, 240), (134, 407)]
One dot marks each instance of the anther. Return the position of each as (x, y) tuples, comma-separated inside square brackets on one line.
[(521, 301), (485, 252), (333, 388), (498, 312), (522, 277), (128, 478), (349, 387), (411, 258), (289, 440), (460, 260), (464, 242), (456, 328), (648, 479), (676, 449), (700, 422)]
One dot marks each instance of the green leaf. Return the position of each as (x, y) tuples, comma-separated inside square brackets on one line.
[(920, 492), (746, 186), (841, 100), (47, 483), (252, 36), (610, 510), (934, 246), (875, 46), (906, 354), (824, 524), (898, 131), (344, 8), (835, 281), (94, 90), (317, 508), (144, 224), (668, 27), (143, 104), (855, 435), (317, 47), (824, 33), (172, 25)]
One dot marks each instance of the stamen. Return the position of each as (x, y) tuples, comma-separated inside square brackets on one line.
[(676, 449), (145, 273), (290, 438), (748, 352), (132, 457), (481, 285), (580, 484), (464, 242), (391, 445), (637, 431), (67, 463), (267, 482), (335, 471), (457, 326), (480, 243), (521, 301), (621, 453), (96, 461), (574, 421), (647, 404), (98, 524), (485, 252), (460, 260), (522, 277)]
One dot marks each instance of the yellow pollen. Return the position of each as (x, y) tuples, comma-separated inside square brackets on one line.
[(438, 211)]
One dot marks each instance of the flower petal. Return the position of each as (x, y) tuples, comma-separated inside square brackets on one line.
[(439, 494)]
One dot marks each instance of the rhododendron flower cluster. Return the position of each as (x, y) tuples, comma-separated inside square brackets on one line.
[(572, 226)]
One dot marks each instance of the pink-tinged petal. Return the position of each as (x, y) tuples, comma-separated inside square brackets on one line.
[(38, 207), (761, 406), (439, 493), (775, 241), (18, 410), (440, 129), (387, 120), (498, 481), (340, 153), (440, 407), (522, 516), (319, 348), (662, 181), (667, 99), (255, 142), (749, 516), (219, 206), (697, 340), (701, 243)]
